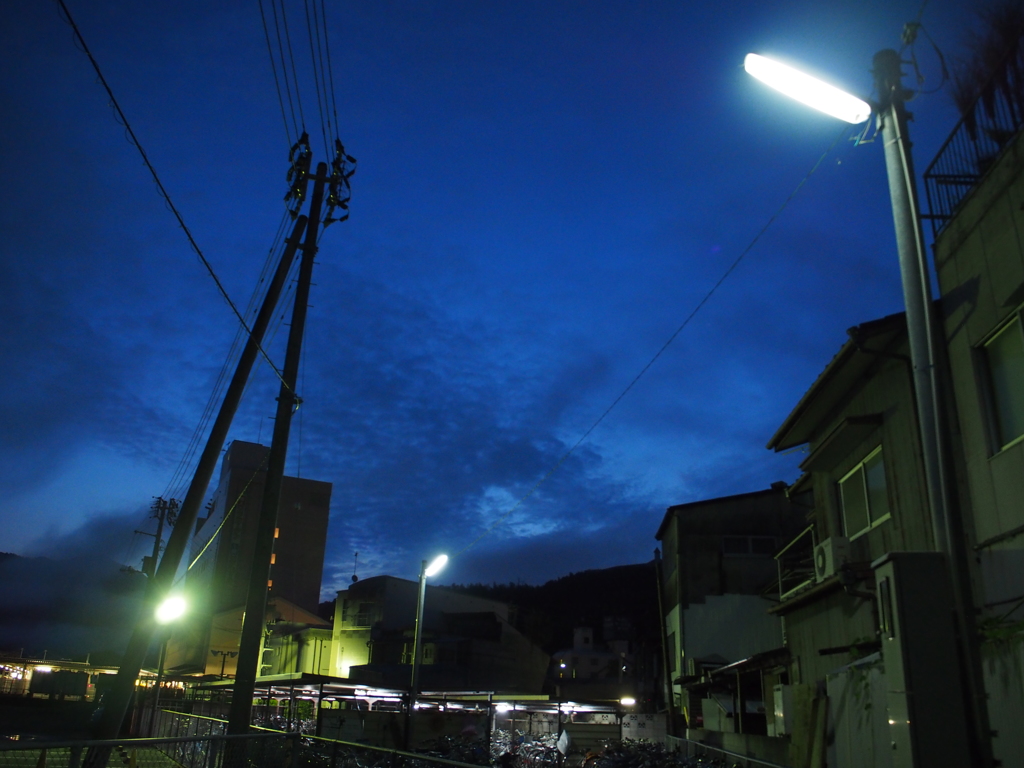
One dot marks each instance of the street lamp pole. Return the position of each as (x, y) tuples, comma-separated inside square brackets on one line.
[(917, 296), (169, 611), (924, 349), (417, 642)]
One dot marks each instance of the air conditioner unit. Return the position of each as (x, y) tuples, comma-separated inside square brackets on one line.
[(829, 556)]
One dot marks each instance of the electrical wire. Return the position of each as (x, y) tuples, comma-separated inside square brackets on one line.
[(261, 468), (163, 191), (330, 67), (291, 56), (181, 477), (277, 82), (700, 305), (316, 59)]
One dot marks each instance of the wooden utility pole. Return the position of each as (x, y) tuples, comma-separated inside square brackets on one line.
[(253, 622), (165, 511), (119, 696)]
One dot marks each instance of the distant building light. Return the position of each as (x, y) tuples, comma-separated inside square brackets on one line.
[(627, 701), (503, 707), (562, 665), (44, 669)]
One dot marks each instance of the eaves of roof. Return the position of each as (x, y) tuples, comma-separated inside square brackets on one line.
[(708, 502), (843, 373)]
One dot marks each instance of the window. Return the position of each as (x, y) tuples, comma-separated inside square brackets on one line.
[(748, 545), (863, 495), (1004, 359)]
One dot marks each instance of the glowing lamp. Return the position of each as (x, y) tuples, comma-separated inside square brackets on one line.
[(435, 567), (170, 609), (807, 90)]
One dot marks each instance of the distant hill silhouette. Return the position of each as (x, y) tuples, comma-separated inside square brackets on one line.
[(67, 607), (549, 612)]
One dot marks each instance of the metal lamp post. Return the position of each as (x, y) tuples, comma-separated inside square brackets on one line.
[(169, 611), (426, 571), (924, 347)]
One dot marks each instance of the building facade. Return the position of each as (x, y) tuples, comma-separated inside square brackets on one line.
[(222, 551), (468, 642), (717, 577)]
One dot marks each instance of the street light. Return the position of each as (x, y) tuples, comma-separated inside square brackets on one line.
[(924, 350), (170, 610), (426, 571), (806, 89)]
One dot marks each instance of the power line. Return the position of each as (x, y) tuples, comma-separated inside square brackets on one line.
[(291, 56), (277, 83), (686, 322), (330, 67), (163, 192), (316, 58)]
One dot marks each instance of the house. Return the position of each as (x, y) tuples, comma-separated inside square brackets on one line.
[(864, 484), (976, 192), (717, 576), (593, 672), (468, 642)]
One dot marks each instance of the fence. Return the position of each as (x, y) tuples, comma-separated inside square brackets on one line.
[(709, 754), (200, 742), (985, 130)]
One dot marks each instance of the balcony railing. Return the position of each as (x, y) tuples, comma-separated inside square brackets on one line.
[(796, 563), (983, 132)]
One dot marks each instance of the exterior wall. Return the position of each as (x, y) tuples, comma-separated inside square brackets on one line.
[(837, 620), (979, 257), (980, 262), (222, 571), (468, 641), (889, 392), (734, 627), (710, 596), (307, 651), (863, 401)]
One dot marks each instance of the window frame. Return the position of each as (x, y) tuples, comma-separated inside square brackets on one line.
[(990, 402), (748, 545), (860, 467)]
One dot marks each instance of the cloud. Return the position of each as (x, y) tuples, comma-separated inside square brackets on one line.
[(67, 606)]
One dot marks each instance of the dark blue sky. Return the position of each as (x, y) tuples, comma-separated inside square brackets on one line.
[(545, 191)]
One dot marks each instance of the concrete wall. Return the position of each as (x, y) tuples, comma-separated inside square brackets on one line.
[(732, 626)]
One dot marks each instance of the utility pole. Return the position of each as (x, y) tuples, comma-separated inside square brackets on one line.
[(240, 713), (120, 695), (926, 358), (165, 511)]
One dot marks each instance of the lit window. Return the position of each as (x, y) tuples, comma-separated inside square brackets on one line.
[(863, 494), (1004, 357)]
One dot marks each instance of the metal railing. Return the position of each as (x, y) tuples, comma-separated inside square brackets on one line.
[(984, 131), (200, 742), (260, 749), (698, 749), (795, 563)]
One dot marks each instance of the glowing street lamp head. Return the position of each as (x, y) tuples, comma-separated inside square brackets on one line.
[(807, 90), (436, 565), (170, 609)]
